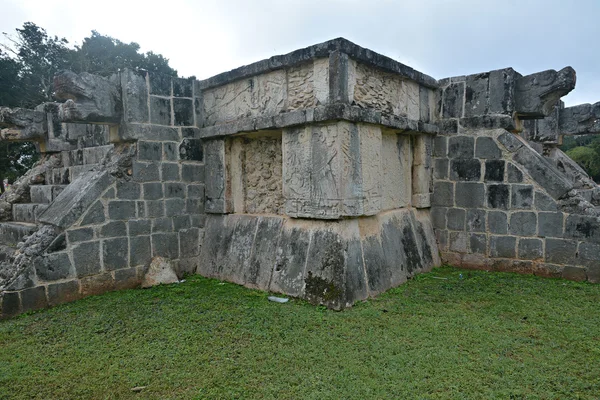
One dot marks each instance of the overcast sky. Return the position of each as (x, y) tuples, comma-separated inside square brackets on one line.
[(440, 38)]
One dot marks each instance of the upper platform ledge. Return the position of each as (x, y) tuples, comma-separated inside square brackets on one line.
[(320, 50)]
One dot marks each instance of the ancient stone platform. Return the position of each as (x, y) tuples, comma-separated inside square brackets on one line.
[(332, 173)]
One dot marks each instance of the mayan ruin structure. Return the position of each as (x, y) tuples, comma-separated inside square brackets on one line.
[(331, 173)]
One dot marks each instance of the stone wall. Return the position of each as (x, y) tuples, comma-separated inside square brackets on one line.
[(326, 174)]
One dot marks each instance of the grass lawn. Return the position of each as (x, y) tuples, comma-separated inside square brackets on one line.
[(487, 335)]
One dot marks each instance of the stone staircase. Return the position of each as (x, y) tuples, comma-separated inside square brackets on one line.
[(25, 215)]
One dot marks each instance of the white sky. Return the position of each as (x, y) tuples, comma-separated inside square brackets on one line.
[(438, 37)]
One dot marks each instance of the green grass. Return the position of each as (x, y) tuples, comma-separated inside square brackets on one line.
[(488, 335)]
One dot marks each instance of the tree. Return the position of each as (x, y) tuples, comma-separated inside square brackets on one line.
[(104, 55)]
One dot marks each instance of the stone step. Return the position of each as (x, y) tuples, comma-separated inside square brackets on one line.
[(85, 156), (45, 193), (64, 176), (12, 233), (28, 212)]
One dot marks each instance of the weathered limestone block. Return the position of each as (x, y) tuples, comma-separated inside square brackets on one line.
[(333, 170), (537, 94), (380, 90), (260, 95), (89, 98), (332, 264), (160, 272), (580, 120), (22, 124), (218, 190)]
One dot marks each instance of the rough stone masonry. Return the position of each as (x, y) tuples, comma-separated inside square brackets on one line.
[(331, 173)]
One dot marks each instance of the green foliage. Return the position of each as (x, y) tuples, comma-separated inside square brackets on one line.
[(104, 55), (585, 151), (485, 336)]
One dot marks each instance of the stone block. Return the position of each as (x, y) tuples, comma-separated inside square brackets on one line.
[(153, 191), (511, 141), (10, 303), (514, 174), (121, 210), (191, 150), (438, 217), (170, 151), (448, 126), (155, 209), (128, 190), (478, 243), (443, 194), (183, 110), (175, 190), (111, 193), (574, 273), (523, 223), (441, 237), (189, 242), (148, 132), (115, 253), (181, 222), (583, 227), (589, 251), (486, 147), (165, 245), (33, 299), (80, 235), (458, 241), (469, 194), (288, 274), (465, 170), (544, 202), (175, 207), (521, 196), (501, 91), (97, 284), (560, 251), (530, 249), (494, 170), (461, 147), (498, 196), (64, 292), (195, 191), (94, 215), (134, 96), (86, 257), (503, 246), (194, 206), (160, 111), (160, 84), (192, 173), (198, 221), (145, 172), (452, 100), (139, 251), (53, 267), (139, 227), (440, 146), (475, 220), (440, 168), (476, 94), (456, 219), (127, 278), (149, 151), (550, 224), (183, 87), (162, 225)]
